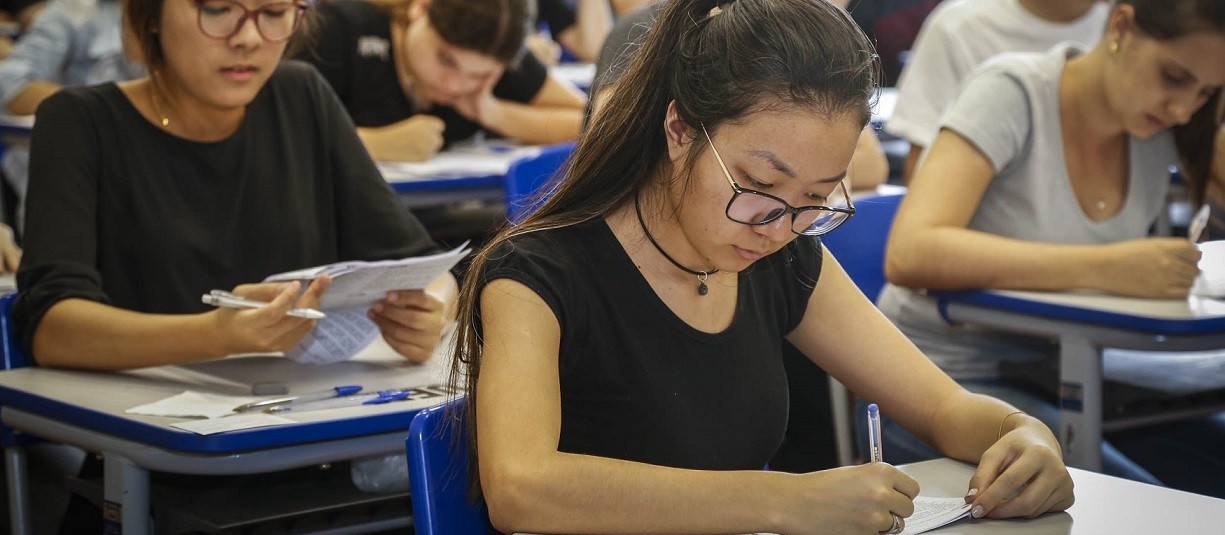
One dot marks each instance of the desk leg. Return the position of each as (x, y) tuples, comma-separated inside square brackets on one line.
[(17, 473), (1080, 402), (125, 510)]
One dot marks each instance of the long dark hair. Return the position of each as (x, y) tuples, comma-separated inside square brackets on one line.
[(494, 28), (1170, 19), (719, 62)]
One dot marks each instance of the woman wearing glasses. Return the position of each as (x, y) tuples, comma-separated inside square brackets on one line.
[(1048, 174), (621, 345), (418, 74), (222, 167)]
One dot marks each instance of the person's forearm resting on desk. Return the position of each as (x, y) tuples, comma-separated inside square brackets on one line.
[(554, 115), (26, 102), (593, 20), (931, 247)]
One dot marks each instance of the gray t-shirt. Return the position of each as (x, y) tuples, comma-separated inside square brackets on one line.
[(1009, 109)]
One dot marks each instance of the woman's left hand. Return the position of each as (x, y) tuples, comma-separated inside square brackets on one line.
[(1021, 475), (481, 106), (411, 321)]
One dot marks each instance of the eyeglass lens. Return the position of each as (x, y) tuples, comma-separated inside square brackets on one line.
[(222, 19)]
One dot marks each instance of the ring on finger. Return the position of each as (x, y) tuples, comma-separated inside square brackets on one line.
[(897, 527)]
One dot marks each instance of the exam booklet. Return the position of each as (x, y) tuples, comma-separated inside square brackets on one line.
[(355, 287)]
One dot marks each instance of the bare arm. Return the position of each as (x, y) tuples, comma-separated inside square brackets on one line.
[(530, 486), (26, 102), (930, 245), (593, 21), (869, 167), (912, 163), (78, 333), (553, 116), (621, 7), (1020, 472)]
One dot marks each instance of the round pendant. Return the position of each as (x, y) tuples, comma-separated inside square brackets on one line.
[(702, 288)]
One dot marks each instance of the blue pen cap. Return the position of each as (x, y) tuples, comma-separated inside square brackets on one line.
[(342, 391), (873, 409)]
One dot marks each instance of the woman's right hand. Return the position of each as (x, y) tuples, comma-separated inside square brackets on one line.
[(848, 500), (414, 139), (269, 328), (1150, 267)]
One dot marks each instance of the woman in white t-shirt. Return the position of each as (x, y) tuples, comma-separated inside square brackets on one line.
[(1048, 173)]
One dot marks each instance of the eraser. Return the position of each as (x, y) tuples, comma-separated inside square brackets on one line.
[(269, 389)]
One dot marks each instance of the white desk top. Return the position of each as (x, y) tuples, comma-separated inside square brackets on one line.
[(112, 393), (1173, 309), (1104, 505)]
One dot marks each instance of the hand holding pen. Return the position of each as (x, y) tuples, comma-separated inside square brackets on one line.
[(268, 328)]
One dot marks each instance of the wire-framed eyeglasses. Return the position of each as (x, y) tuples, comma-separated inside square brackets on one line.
[(751, 207), (275, 21)]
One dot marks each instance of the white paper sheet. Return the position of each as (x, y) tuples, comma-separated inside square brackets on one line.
[(471, 160), (342, 334), (1211, 279), (193, 405), (931, 513), (355, 287), (231, 423)]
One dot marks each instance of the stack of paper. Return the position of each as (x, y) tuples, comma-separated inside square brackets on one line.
[(355, 287)]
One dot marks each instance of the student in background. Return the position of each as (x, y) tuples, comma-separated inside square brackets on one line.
[(579, 27), (1048, 173), (16, 15), (869, 167), (961, 34), (70, 43), (416, 75), (621, 345), (222, 167)]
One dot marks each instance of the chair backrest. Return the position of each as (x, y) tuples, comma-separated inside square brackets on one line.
[(12, 355), (526, 176), (438, 475), (859, 245)]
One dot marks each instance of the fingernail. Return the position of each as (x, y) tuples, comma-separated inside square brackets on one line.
[(378, 307), (977, 511), (391, 297), (972, 493)]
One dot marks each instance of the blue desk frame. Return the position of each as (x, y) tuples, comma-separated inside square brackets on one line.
[(37, 402), (1084, 325)]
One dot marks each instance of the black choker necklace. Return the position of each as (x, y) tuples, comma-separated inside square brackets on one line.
[(702, 275)]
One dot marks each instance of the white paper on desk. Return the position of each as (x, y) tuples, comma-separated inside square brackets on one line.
[(362, 283), (344, 333), (193, 405), (1211, 279), (1172, 372), (931, 513), (232, 423), (485, 159)]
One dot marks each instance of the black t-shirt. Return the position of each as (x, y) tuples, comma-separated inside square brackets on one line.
[(556, 14), (353, 50), (637, 382), (121, 212)]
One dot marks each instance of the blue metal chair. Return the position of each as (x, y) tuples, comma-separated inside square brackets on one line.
[(438, 475), (526, 177), (12, 356), (859, 245)]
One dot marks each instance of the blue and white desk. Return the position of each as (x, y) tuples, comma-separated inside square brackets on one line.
[(1084, 324), (458, 174), (1104, 504), (86, 409)]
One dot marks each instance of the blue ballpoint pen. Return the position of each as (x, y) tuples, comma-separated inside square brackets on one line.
[(335, 392), (372, 398), (874, 438)]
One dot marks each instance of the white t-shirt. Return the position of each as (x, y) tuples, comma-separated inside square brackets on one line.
[(957, 37), (1009, 110)]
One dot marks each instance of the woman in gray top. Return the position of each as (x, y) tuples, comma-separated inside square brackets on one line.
[(1047, 175)]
